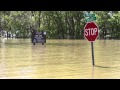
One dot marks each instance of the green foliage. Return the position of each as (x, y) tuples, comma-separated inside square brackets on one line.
[(58, 24)]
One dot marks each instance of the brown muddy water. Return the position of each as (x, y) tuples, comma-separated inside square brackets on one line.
[(59, 59)]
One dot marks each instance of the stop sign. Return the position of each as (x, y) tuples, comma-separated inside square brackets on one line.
[(91, 31)]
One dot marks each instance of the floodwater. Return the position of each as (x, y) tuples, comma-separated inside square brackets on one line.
[(59, 59)]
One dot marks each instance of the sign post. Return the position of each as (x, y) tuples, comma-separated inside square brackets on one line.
[(92, 47), (91, 34)]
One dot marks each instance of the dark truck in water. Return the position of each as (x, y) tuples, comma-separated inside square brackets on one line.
[(38, 37)]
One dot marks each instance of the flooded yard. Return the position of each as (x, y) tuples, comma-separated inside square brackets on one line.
[(59, 59)]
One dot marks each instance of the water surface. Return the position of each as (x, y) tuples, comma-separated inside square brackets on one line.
[(59, 59)]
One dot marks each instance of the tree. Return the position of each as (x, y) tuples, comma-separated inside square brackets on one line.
[(58, 24)]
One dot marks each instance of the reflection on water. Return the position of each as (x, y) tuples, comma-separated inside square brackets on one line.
[(59, 59)]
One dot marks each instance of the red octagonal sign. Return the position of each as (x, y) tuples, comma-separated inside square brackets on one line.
[(91, 31)]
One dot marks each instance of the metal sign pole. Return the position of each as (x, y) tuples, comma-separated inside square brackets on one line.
[(92, 48)]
